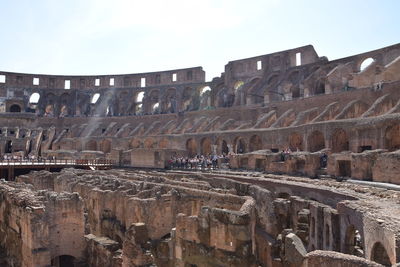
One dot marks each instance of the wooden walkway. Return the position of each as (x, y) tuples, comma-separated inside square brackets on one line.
[(10, 168)]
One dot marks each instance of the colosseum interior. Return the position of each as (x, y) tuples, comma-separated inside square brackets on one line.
[(313, 177)]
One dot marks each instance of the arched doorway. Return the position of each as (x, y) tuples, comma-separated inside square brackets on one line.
[(379, 254), (316, 141), (206, 146), (63, 261), (295, 141), (240, 146), (392, 137), (255, 143), (353, 242), (91, 145), (15, 108), (340, 141), (8, 148), (191, 147), (105, 146)]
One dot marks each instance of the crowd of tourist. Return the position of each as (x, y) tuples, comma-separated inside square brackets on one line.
[(198, 162)]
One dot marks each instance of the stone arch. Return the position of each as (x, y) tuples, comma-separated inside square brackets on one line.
[(163, 143), (169, 104), (380, 255), (149, 143), (15, 108), (392, 137), (353, 243), (34, 98), (316, 141), (191, 147), (319, 87), (105, 146), (152, 99), (222, 146), (255, 93), (65, 102), (295, 141), (91, 145), (340, 141), (255, 143), (134, 143), (123, 102), (225, 98), (190, 99), (205, 97), (365, 63), (206, 146), (240, 145)]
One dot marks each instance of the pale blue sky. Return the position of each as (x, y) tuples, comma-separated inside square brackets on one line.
[(128, 36)]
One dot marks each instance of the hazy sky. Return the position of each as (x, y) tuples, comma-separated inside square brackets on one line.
[(75, 37)]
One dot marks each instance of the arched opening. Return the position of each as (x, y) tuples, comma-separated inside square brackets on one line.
[(206, 146), (366, 63), (238, 85), (190, 100), (105, 146), (379, 254), (392, 137), (255, 143), (340, 141), (191, 147), (327, 236), (170, 101), (205, 98), (316, 141), (222, 146), (149, 143), (255, 92), (353, 242), (8, 148), (156, 108), (139, 109), (91, 145), (295, 141), (15, 108), (34, 98), (95, 98), (240, 146), (163, 143), (139, 97), (49, 111), (63, 261), (135, 143), (320, 87)]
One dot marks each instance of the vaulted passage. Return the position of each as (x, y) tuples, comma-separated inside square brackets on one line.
[(340, 141), (295, 142), (63, 261), (392, 137), (255, 143), (379, 254), (316, 141), (206, 146), (191, 147)]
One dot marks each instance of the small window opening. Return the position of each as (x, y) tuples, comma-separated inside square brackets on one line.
[(298, 59), (142, 82), (111, 81), (35, 81), (2, 78), (97, 82), (67, 84), (259, 65), (103, 130), (174, 77), (366, 63)]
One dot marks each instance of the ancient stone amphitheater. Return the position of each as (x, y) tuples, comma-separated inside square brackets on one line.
[(264, 210)]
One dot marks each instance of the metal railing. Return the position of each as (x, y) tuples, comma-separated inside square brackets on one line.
[(56, 162)]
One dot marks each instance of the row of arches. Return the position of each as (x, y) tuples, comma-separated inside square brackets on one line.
[(316, 141), (115, 103)]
